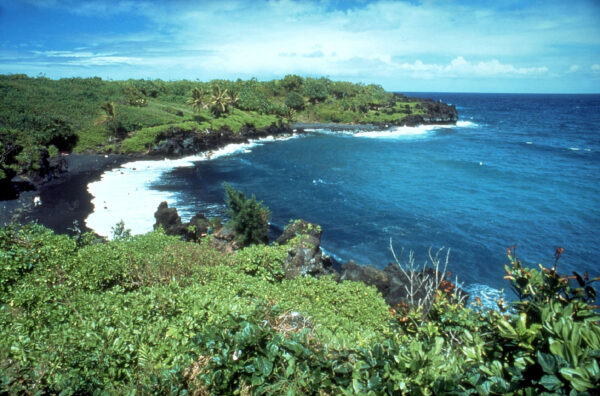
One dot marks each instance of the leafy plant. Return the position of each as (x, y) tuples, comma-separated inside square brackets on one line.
[(219, 102), (197, 100), (119, 232), (249, 218), (109, 117)]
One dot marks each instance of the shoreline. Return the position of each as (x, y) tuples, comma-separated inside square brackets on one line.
[(64, 196), (67, 198)]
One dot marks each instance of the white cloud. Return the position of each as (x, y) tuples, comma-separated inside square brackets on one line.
[(374, 40), (86, 58), (460, 67)]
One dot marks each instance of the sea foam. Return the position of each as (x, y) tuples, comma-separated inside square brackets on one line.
[(124, 193), (398, 132), (466, 124)]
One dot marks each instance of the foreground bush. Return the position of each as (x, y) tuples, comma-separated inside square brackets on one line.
[(153, 315), (249, 217)]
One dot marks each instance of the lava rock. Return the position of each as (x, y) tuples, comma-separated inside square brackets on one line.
[(224, 241), (304, 257), (168, 219), (392, 282)]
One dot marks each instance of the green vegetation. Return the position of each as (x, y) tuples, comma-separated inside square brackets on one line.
[(92, 115), (152, 314), (249, 218)]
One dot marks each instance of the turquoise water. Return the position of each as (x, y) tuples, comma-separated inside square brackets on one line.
[(517, 169)]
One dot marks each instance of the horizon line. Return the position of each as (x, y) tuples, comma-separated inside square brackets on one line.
[(40, 75)]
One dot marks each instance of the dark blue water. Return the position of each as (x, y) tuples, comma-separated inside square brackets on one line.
[(519, 169)]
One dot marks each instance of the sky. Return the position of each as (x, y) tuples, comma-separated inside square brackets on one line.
[(407, 46)]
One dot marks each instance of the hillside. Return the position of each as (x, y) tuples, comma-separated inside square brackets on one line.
[(152, 314), (40, 117)]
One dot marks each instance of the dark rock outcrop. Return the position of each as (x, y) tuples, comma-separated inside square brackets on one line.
[(435, 113), (391, 281), (46, 169), (224, 240), (169, 220), (304, 250), (176, 142), (439, 113)]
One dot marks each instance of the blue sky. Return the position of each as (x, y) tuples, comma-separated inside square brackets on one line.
[(455, 46)]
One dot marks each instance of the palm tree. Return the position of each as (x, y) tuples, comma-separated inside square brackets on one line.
[(219, 102), (197, 99), (109, 117), (289, 114), (234, 98)]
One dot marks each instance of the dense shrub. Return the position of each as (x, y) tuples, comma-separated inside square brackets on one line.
[(151, 314), (25, 248), (294, 101), (315, 90), (249, 218), (292, 82)]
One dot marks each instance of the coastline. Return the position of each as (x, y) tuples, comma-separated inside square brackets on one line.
[(63, 197), (67, 198)]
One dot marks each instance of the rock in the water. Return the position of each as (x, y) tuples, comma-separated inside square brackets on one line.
[(169, 220), (304, 250)]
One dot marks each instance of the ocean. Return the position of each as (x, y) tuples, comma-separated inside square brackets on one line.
[(517, 169)]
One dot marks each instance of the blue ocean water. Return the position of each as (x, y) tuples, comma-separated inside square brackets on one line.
[(517, 169)]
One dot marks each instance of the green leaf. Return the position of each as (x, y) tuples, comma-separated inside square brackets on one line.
[(551, 382), (374, 383), (581, 384), (547, 362), (556, 347), (264, 365), (576, 379), (357, 386)]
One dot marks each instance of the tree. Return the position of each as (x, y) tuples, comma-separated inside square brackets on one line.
[(197, 99), (292, 82), (219, 103), (289, 114), (249, 218), (134, 96), (59, 133), (234, 98), (9, 150), (294, 101), (109, 117), (316, 90)]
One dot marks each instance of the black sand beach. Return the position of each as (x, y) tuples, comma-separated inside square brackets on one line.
[(65, 199)]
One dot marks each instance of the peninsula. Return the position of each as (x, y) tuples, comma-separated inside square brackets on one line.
[(43, 119)]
